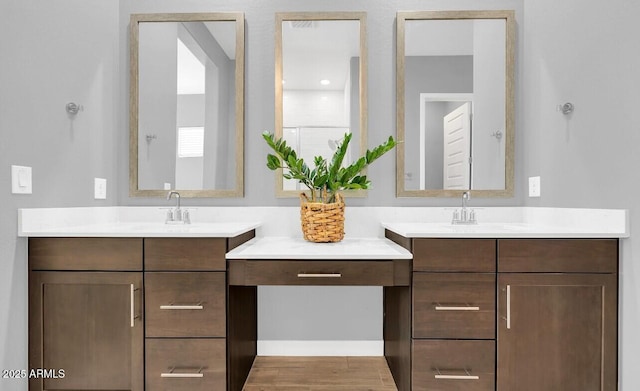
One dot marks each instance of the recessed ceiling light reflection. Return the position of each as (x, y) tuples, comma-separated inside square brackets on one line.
[(325, 82)]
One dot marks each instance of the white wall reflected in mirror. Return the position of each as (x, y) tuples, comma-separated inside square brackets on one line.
[(319, 91)]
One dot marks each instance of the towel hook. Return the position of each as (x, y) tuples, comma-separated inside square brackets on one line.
[(73, 108), (566, 108)]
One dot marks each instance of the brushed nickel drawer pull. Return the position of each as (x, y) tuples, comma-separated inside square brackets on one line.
[(133, 305), (457, 377), (198, 306), (172, 374), (468, 376), (440, 307), (319, 275), (508, 307)]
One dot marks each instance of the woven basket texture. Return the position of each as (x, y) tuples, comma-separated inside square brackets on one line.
[(322, 223)]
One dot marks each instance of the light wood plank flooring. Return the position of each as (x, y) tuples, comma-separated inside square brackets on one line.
[(320, 374)]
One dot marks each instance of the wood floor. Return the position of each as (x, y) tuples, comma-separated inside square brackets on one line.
[(320, 374)]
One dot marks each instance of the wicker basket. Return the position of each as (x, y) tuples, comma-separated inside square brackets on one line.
[(322, 223)]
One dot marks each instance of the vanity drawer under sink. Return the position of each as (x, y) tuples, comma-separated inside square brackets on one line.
[(185, 304), (454, 305), (185, 364), (453, 365), (188, 254)]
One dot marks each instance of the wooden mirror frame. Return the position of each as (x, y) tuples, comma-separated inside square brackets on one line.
[(509, 17), (281, 17), (135, 19)]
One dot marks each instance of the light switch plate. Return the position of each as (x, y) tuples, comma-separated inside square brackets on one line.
[(100, 188), (21, 182), (534, 186)]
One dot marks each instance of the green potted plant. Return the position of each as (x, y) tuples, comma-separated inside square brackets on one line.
[(322, 215)]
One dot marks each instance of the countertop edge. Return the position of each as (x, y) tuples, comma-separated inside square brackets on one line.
[(331, 251)]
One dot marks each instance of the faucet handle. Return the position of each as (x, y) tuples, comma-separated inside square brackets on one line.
[(169, 216), (456, 216)]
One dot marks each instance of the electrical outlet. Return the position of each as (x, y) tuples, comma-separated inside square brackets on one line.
[(100, 188), (534, 186), (21, 180)]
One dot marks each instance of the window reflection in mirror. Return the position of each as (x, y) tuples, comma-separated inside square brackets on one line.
[(186, 122), (319, 85), (454, 113)]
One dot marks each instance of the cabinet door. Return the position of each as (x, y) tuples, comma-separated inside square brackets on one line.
[(557, 332), (88, 324)]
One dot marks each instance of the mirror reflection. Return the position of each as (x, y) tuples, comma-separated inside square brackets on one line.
[(319, 91), (456, 103), (188, 121)]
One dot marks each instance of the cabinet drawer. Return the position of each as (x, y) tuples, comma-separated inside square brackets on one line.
[(453, 365), (185, 254), (123, 254), (454, 305), (558, 255), (314, 272), (185, 364), (454, 255), (189, 304)]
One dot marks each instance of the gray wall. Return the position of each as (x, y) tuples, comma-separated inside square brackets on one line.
[(52, 52), (72, 50), (157, 107), (489, 108), (589, 158)]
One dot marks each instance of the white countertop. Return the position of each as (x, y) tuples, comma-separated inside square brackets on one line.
[(298, 248), (503, 230), (360, 222), (146, 229)]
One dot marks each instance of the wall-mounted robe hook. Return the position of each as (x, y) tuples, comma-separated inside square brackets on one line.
[(73, 108), (151, 137), (497, 134), (566, 108)]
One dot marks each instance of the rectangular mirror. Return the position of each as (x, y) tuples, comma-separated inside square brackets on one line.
[(455, 104), (186, 104), (320, 86)]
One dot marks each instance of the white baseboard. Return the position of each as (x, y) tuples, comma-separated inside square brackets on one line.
[(320, 348)]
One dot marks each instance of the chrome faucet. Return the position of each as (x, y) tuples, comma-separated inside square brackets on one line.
[(177, 215), (464, 215)]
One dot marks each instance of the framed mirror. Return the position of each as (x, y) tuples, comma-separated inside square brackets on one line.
[(186, 104), (455, 103), (320, 86)]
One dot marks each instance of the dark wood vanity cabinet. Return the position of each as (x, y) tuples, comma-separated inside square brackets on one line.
[(468, 315), (513, 314), (453, 338), (129, 313), (185, 306), (85, 314), (557, 315)]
